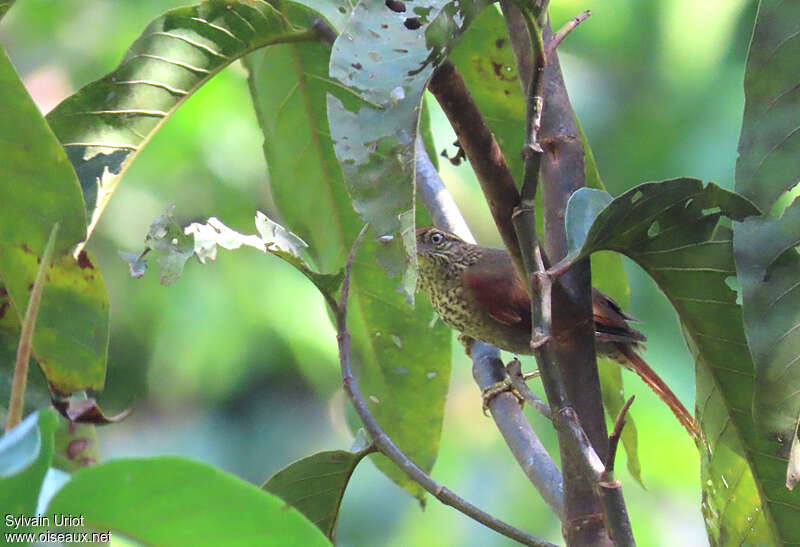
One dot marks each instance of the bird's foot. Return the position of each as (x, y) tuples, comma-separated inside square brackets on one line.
[(539, 340), (467, 342), (496, 389)]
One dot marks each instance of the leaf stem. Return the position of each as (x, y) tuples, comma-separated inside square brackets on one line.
[(16, 403)]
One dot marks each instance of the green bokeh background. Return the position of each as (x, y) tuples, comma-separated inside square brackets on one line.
[(235, 364)]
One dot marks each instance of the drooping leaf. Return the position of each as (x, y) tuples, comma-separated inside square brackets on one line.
[(25, 454), (174, 501), (106, 124), (409, 383), (315, 485), (673, 229), (37, 195), (37, 182), (770, 143), (768, 268), (71, 337), (386, 55), (767, 171)]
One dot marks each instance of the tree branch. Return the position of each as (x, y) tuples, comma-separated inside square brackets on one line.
[(565, 349), (531, 455), (516, 430), (482, 151), (387, 446)]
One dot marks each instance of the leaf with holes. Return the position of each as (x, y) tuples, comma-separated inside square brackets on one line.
[(769, 269), (677, 231), (106, 124), (385, 56), (402, 364), (315, 485)]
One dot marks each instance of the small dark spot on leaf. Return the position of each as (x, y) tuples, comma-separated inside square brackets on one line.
[(401, 50), (74, 448), (500, 43), (384, 25), (412, 23), (507, 92), (84, 262), (342, 9), (396, 6), (38, 259), (357, 66), (26, 248), (30, 287)]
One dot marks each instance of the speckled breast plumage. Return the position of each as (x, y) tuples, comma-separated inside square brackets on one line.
[(440, 279)]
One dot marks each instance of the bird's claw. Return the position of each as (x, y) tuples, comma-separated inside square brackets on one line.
[(539, 340), (496, 389)]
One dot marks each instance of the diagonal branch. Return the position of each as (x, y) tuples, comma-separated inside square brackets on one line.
[(386, 446), (487, 369)]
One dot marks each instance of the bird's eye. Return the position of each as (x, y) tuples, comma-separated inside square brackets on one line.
[(436, 238)]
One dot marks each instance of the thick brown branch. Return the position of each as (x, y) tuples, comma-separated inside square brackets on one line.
[(482, 150)]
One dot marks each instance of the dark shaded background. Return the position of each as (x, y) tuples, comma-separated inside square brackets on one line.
[(235, 364)]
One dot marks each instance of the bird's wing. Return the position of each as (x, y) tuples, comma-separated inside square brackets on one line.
[(494, 285)]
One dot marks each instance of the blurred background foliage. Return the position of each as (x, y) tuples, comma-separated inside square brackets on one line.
[(235, 364)]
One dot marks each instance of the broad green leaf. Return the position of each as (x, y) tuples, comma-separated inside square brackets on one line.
[(768, 267), (676, 231), (37, 182), (38, 193), (315, 486), (71, 337), (25, 455), (770, 143), (106, 124), (386, 55), (174, 501), (409, 382)]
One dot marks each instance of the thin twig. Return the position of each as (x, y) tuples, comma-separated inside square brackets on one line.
[(562, 33), (16, 403), (387, 446), (514, 371), (613, 439)]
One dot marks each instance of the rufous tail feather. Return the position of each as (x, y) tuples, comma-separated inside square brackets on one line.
[(661, 389)]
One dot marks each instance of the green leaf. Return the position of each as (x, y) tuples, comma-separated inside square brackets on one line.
[(106, 124), (174, 501), (769, 267), (770, 143), (37, 182), (71, 337), (386, 55), (673, 229), (409, 382), (315, 485), (25, 454)]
